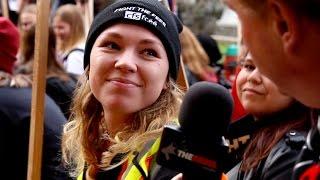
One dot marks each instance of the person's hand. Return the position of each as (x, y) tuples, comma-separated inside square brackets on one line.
[(177, 177)]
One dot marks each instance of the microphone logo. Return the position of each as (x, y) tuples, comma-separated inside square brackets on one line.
[(234, 144), (168, 150), (196, 147), (172, 150)]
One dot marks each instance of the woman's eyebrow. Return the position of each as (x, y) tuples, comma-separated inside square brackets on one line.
[(112, 34), (150, 41)]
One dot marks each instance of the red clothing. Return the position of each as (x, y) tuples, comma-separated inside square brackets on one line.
[(9, 38), (238, 110)]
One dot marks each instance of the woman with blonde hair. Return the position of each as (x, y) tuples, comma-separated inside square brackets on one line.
[(70, 34), (127, 94), (27, 18), (195, 59)]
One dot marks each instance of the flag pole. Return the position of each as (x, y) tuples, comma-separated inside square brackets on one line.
[(38, 90), (5, 9), (182, 78)]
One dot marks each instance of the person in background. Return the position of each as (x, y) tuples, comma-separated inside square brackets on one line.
[(27, 18), (57, 3), (229, 68), (59, 84), (69, 30), (279, 128), (127, 94), (211, 47), (15, 112), (195, 59)]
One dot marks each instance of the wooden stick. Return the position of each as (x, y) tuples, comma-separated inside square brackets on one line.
[(5, 9), (38, 90), (182, 78), (91, 11), (87, 10)]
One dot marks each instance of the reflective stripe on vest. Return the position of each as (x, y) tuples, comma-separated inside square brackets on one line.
[(144, 158), (80, 177)]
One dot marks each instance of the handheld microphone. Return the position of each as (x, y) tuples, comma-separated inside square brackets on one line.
[(197, 148)]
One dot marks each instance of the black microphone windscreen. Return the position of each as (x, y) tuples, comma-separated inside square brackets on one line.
[(206, 111), (197, 148)]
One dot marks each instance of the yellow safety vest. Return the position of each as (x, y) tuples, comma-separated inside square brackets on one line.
[(139, 165)]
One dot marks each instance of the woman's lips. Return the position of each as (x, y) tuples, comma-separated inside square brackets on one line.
[(250, 90), (123, 81)]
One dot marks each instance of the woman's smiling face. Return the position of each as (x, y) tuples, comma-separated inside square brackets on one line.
[(128, 68), (258, 94)]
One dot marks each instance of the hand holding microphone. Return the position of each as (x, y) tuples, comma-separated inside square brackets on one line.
[(197, 148)]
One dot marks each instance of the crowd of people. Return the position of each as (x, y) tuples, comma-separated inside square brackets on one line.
[(112, 87)]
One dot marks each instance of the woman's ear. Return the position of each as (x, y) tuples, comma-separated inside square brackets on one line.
[(286, 24)]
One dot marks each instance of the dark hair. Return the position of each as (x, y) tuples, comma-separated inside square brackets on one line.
[(295, 117), (27, 52), (211, 47)]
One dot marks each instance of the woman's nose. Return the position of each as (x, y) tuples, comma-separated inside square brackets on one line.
[(126, 62), (255, 76)]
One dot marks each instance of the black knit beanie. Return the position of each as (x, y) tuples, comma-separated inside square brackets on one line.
[(150, 14)]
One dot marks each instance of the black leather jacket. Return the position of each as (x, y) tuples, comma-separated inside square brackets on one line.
[(278, 164)]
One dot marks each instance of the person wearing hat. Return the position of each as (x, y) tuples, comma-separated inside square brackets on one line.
[(15, 114), (210, 45), (127, 93), (9, 38)]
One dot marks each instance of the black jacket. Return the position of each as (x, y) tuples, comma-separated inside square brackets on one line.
[(15, 108), (278, 165), (61, 92), (280, 161)]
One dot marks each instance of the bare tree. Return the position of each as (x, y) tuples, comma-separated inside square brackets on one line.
[(200, 15)]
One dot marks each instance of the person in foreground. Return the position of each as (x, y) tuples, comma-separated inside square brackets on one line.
[(289, 55), (280, 126), (127, 94)]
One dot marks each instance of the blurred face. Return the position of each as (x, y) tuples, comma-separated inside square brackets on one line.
[(27, 20), (259, 36), (61, 29), (128, 68), (258, 94)]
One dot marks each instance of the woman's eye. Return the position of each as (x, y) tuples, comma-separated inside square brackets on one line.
[(249, 67), (150, 52), (112, 45)]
